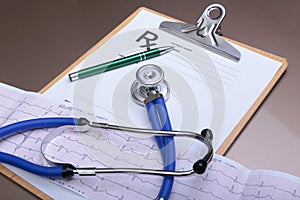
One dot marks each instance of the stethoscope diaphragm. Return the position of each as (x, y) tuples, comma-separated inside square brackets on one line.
[(149, 79)]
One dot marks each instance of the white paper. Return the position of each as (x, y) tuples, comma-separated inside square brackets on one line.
[(208, 90)]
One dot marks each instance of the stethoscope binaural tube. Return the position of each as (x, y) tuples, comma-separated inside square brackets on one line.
[(67, 170)]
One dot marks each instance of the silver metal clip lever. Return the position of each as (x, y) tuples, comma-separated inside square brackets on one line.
[(199, 166), (205, 32)]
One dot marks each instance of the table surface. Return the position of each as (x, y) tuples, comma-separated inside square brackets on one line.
[(39, 39)]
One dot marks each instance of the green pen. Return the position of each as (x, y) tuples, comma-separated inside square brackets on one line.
[(115, 64)]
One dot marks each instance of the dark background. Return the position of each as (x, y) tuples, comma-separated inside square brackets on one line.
[(40, 38)]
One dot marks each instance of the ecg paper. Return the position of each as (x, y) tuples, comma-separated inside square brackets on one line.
[(224, 178)]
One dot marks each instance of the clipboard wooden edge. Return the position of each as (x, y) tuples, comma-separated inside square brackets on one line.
[(223, 148), (242, 123)]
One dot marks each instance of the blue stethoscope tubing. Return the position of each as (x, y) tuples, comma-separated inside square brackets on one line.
[(159, 118), (46, 171), (165, 143)]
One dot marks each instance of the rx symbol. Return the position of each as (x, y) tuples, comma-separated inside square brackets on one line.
[(149, 37)]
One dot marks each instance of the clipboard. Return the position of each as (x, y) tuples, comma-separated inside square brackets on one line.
[(227, 142)]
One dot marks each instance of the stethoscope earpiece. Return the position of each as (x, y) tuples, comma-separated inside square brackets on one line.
[(199, 167), (207, 133)]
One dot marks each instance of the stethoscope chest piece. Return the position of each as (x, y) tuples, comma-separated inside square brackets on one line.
[(149, 80)]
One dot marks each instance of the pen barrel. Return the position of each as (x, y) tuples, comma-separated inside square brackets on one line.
[(108, 66), (150, 54)]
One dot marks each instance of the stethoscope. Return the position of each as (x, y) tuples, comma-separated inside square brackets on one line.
[(149, 90)]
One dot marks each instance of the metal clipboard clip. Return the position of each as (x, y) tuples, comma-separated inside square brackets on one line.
[(205, 33)]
